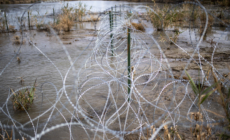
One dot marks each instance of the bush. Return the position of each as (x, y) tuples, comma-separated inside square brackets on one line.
[(162, 19), (24, 98), (65, 20)]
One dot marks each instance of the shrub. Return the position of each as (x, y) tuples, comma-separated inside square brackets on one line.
[(16, 40), (65, 20), (163, 18), (24, 98)]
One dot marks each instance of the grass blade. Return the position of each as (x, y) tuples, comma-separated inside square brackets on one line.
[(207, 95), (207, 89), (195, 90)]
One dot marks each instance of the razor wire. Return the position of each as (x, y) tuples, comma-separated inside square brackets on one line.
[(99, 100)]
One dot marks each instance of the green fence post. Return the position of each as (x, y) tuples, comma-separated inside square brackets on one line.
[(29, 19), (6, 22), (120, 12), (115, 15), (54, 15), (111, 29), (129, 65)]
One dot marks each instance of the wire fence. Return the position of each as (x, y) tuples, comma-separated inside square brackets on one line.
[(113, 96)]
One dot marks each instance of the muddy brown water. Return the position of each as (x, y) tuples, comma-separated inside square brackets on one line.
[(34, 65)]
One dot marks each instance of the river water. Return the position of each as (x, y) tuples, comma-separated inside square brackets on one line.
[(49, 63)]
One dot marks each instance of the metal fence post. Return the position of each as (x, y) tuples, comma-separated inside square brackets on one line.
[(6, 22), (129, 63), (111, 28)]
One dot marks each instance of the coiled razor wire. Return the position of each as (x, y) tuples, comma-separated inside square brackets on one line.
[(99, 102)]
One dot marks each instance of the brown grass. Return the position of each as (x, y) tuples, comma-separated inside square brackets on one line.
[(138, 26), (7, 136), (65, 21)]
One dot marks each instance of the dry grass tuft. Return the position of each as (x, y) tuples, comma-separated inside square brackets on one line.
[(66, 22), (16, 40), (80, 11), (138, 26), (162, 19)]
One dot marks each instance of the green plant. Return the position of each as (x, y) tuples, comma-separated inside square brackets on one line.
[(200, 90), (203, 93), (224, 101), (162, 18), (80, 11), (34, 20), (24, 98)]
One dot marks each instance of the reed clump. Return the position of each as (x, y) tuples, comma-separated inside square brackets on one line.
[(165, 17), (80, 12), (65, 21), (23, 99), (69, 15), (162, 19), (223, 99)]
